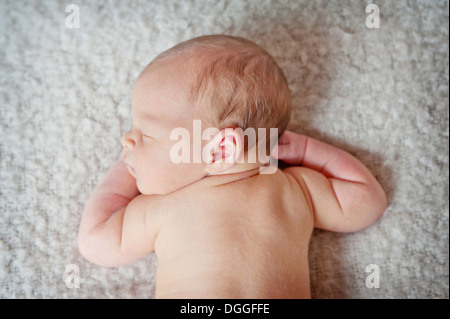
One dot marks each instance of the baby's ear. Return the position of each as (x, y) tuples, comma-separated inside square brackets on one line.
[(223, 151)]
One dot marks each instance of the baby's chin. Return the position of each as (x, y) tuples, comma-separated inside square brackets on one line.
[(165, 184), (147, 190), (152, 190)]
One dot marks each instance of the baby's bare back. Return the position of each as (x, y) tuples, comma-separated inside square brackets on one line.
[(246, 239)]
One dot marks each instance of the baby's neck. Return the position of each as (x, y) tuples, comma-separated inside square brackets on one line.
[(239, 168), (238, 172)]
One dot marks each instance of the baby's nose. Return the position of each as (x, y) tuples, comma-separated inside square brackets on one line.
[(128, 141)]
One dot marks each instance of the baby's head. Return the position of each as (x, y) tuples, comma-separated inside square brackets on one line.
[(223, 81)]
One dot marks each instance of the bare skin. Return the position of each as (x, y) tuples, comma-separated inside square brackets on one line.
[(254, 248), (221, 230)]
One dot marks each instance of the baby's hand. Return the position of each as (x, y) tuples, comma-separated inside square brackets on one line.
[(290, 148)]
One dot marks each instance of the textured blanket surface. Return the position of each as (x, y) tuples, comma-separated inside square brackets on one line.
[(379, 93)]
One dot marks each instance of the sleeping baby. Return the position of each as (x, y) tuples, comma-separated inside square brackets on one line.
[(219, 226)]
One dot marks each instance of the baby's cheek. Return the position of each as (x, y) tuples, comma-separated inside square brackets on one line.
[(156, 169)]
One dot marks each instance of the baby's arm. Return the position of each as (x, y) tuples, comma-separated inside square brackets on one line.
[(344, 195), (113, 229)]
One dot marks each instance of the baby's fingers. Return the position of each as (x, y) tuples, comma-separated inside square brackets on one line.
[(286, 153), (286, 138)]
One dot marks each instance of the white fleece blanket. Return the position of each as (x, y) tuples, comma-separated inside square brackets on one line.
[(379, 93)]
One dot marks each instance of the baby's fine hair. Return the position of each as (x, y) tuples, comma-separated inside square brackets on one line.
[(237, 83)]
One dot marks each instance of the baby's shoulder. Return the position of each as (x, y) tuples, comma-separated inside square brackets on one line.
[(281, 178), (279, 184)]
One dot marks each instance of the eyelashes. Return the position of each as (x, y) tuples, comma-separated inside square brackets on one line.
[(146, 137)]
